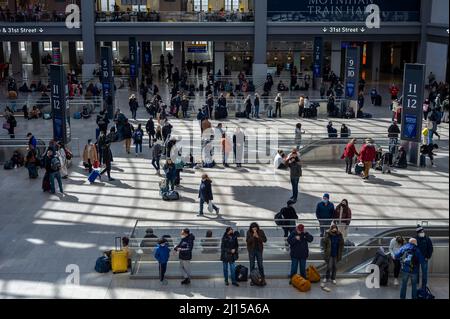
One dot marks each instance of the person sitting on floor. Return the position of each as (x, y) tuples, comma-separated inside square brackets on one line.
[(35, 113)]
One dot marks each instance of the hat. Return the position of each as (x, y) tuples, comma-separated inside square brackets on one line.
[(413, 241), (326, 195), (290, 202), (149, 231), (419, 229), (301, 228)]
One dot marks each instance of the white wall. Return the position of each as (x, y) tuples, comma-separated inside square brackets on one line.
[(439, 11), (437, 60)]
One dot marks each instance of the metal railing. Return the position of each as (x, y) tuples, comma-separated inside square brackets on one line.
[(32, 16), (326, 16)]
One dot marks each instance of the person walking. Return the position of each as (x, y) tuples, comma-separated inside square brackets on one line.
[(255, 245), (90, 155), (333, 247), (295, 169), (394, 247), (151, 132), (206, 196), (133, 104), (298, 242), (278, 102), (425, 246), (229, 253), (349, 153), (138, 137), (298, 135), (393, 133), (256, 103), (412, 259), (10, 124), (127, 131), (107, 159), (238, 146), (324, 213), (367, 155), (342, 217), (226, 149), (184, 250), (162, 255), (156, 156)]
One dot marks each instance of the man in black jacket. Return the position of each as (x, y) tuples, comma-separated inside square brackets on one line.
[(425, 246), (298, 241), (290, 214), (184, 249), (393, 132)]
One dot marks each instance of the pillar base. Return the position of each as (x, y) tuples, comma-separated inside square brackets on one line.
[(259, 73), (88, 72)]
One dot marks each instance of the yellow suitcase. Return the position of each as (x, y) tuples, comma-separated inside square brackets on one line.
[(119, 258)]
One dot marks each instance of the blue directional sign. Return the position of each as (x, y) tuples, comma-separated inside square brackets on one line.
[(352, 73)]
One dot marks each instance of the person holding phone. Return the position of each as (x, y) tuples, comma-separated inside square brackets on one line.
[(298, 242), (255, 246)]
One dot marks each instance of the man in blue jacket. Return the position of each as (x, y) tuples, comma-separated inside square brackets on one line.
[(425, 246), (298, 241), (412, 259), (324, 213)]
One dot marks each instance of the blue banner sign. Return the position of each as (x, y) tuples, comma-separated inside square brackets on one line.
[(60, 107)]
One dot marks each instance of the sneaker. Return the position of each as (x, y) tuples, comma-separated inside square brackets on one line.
[(324, 281), (185, 282), (396, 282), (227, 283), (334, 282), (235, 284), (200, 215)]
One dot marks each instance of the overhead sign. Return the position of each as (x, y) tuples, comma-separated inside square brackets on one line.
[(318, 57), (107, 79), (344, 30), (132, 47), (60, 107), (21, 30), (352, 73), (197, 48), (413, 96)]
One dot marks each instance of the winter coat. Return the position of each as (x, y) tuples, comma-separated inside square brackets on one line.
[(327, 245), (367, 153), (128, 131), (162, 253), (324, 212), (171, 171), (185, 247), (349, 151), (425, 245), (150, 127), (299, 248), (256, 243), (90, 153), (410, 266), (205, 191), (346, 214), (229, 243)]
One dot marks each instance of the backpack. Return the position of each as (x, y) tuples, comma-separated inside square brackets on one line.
[(138, 137), (425, 293), (55, 164), (256, 278), (171, 195), (278, 216), (241, 273), (410, 260), (8, 165), (103, 265)]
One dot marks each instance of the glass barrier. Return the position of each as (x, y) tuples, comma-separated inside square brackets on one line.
[(32, 16), (310, 16), (173, 16)]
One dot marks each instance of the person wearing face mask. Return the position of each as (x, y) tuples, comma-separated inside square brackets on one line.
[(425, 246), (229, 254), (184, 250), (394, 247), (324, 213), (333, 246), (342, 217), (298, 242)]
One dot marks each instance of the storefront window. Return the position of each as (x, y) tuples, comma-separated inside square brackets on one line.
[(200, 5), (231, 5)]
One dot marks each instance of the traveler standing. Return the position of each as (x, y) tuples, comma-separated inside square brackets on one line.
[(425, 246), (226, 149), (295, 169), (393, 132), (150, 128), (156, 156), (278, 102), (342, 217), (411, 258), (133, 106), (90, 155), (290, 215), (394, 247), (298, 135), (238, 146), (367, 155), (248, 106), (229, 254), (171, 173), (256, 102), (138, 137), (255, 246), (184, 250), (205, 194), (349, 154), (333, 247), (298, 242), (53, 166), (324, 213), (162, 255), (107, 160)]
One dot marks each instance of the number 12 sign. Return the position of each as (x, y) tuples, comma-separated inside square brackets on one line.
[(413, 95)]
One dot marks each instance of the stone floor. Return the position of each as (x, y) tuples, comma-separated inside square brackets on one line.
[(41, 234)]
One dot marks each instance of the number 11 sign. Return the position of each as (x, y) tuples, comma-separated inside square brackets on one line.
[(413, 95)]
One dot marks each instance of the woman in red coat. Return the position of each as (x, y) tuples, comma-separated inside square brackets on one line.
[(367, 155), (349, 154)]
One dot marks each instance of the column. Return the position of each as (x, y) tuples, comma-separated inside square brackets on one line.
[(2, 53), (72, 55), (260, 45), (336, 56), (297, 60), (36, 57), (16, 60), (88, 34), (376, 59), (436, 60), (425, 17), (219, 57), (177, 55)]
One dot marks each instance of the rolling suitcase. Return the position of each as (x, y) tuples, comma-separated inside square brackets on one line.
[(256, 278), (93, 176), (119, 258), (103, 265)]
